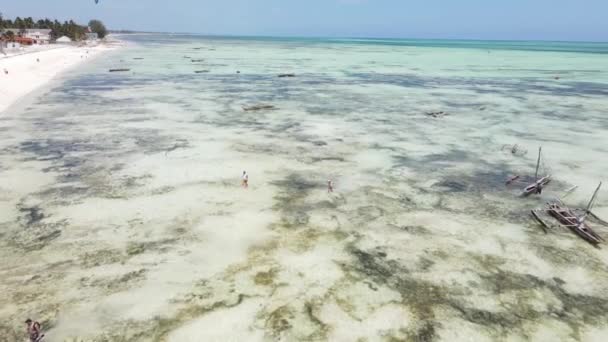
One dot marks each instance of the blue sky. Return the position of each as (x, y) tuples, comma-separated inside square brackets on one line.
[(455, 19)]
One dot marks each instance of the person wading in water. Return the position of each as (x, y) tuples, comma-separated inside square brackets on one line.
[(34, 331), (245, 180)]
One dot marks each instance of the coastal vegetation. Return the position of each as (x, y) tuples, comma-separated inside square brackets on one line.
[(58, 29), (96, 26)]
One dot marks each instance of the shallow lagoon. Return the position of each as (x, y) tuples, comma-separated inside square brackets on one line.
[(123, 219)]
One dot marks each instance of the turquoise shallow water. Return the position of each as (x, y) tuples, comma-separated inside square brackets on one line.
[(123, 217), (555, 46)]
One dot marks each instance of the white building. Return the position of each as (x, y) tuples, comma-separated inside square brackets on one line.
[(40, 36), (9, 47), (64, 40), (92, 36)]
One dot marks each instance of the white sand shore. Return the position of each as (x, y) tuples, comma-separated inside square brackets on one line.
[(29, 71)]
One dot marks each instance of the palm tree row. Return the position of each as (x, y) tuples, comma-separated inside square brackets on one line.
[(58, 29)]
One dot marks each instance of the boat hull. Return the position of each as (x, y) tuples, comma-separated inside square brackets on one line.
[(536, 187), (569, 219)]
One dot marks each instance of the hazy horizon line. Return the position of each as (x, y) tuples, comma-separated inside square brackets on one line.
[(353, 37)]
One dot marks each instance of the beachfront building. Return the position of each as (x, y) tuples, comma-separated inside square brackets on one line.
[(30, 36), (64, 40), (39, 36), (92, 36), (15, 31), (9, 46), (24, 41), (13, 35)]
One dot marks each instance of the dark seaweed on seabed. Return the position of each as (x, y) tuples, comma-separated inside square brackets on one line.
[(425, 298), (497, 85)]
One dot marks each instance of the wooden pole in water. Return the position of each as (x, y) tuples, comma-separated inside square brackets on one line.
[(569, 191), (538, 163)]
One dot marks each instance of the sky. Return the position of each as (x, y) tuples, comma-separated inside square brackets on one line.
[(572, 20)]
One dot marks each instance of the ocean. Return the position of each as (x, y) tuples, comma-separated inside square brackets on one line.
[(123, 216)]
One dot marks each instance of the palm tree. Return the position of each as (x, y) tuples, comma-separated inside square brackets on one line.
[(28, 23), (56, 29), (20, 25)]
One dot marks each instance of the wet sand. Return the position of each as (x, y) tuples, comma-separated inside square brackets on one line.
[(31, 70), (123, 217)]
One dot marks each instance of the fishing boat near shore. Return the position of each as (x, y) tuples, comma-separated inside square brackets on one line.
[(537, 186), (573, 219)]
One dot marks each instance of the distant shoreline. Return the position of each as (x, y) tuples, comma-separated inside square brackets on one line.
[(486, 45), (362, 38)]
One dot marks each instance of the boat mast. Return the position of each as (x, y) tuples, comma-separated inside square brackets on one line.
[(593, 197), (538, 163), (591, 202)]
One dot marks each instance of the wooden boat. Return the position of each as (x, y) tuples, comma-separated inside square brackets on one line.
[(259, 107), (536, 187), (569, 218), (539, 184), (515, 150)]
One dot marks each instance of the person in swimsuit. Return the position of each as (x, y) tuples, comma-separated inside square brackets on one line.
[(330, 186), (245, 179), (33, 331)]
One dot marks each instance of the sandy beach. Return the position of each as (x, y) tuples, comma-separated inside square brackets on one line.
[(28, 71)]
